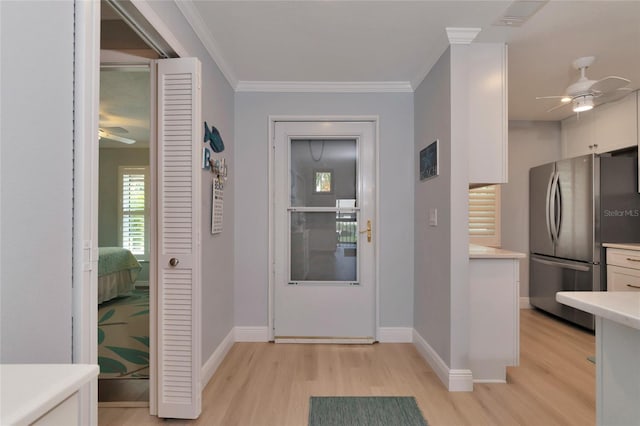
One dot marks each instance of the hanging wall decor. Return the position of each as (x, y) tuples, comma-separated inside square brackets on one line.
[(429, 161), (213, 137)]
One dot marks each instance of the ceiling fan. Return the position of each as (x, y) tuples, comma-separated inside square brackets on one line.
[(107, 133), (584, 94)]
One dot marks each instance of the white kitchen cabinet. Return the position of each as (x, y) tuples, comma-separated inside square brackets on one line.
[(606, 128), (487, 90), (494, 334), (623, 267)]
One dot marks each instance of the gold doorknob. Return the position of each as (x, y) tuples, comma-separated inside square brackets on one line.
[(173, 261), (368, 231)]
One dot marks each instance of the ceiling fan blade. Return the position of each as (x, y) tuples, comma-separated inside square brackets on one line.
[(609, 84), (115, 129), (559, 106), (103, 134), (551, 97), (613, 96)]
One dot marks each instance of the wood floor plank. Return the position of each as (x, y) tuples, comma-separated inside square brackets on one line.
[(265, 384)]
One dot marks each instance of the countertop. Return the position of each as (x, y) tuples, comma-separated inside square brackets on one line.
[(484, 252), (620, 306), (624, 246), (31, 390)]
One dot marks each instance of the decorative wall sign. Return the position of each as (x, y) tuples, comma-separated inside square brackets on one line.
[(429, 161), (217, 205)]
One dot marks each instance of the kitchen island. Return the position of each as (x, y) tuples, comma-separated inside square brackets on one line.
[(494, 282), (617, 352)]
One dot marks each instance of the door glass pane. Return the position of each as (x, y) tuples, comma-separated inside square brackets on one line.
[(324, 246), (322, 172)]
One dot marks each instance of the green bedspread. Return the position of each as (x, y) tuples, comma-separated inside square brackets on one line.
[(114, 259)]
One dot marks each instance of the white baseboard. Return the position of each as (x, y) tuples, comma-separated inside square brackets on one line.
[(212, 364), (454, 380), (395, 334), (251, 334), (524, 303)]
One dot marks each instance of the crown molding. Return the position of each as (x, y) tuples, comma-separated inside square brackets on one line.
[(325, 86), (462, 35), (192, 16)]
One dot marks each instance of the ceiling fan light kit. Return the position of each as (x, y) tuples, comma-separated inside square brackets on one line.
[(583, 103)]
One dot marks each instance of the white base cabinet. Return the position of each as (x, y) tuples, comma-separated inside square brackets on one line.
[(43, 394), (494, 342), (623, 268), (617, 349)]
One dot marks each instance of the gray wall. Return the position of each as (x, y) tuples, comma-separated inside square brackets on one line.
[(432, 294), (217, 250), (531, 143), (441, 297), (395, 188), (36, 181), (110, 160)]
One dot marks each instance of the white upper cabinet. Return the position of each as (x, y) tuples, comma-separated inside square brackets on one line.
[(488, 119), (606, 128)]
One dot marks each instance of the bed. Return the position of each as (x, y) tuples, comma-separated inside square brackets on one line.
[(117, 273)]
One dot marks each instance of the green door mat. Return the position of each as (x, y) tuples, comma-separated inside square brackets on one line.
[(365, 411)]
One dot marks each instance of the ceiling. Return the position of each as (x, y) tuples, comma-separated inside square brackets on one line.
[(397, 42), (125, 106)]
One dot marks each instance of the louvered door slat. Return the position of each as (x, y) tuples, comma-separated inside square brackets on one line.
[(179, 139)]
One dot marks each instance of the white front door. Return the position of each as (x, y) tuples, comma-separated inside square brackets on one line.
[(324, 225)]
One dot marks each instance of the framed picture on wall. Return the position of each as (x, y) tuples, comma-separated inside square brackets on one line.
[(429, 161)]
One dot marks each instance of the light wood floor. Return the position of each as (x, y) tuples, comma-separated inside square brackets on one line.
[(265, 384)]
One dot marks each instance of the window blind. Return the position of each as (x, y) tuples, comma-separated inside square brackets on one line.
[(133, 210), (484, 215)]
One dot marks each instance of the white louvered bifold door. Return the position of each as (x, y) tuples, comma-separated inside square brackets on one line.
[(179, 142)]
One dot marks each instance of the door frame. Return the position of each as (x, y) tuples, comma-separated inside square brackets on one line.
[(85, 199), (273, 119)]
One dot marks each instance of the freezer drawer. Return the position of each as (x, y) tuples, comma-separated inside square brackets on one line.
[(549, 275)]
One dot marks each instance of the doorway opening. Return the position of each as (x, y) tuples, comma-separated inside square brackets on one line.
[(124, 213)]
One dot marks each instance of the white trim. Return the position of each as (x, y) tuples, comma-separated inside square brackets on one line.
[(251, 334), (525, 303), (325, 86), (454, 380), (395, 334), (211, 365), (490, 381), (273, 119), (160, 26), (328, 340), (462, 35), (85, 200), (191, 14)]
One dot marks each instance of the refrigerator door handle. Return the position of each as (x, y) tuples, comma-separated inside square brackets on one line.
[(548, 207), (559, 206), (553, 201), (561, 265)]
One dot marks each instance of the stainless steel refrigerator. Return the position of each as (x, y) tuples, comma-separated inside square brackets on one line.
[(576, 205)]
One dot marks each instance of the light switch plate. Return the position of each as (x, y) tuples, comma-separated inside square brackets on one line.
[(433, 217)]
